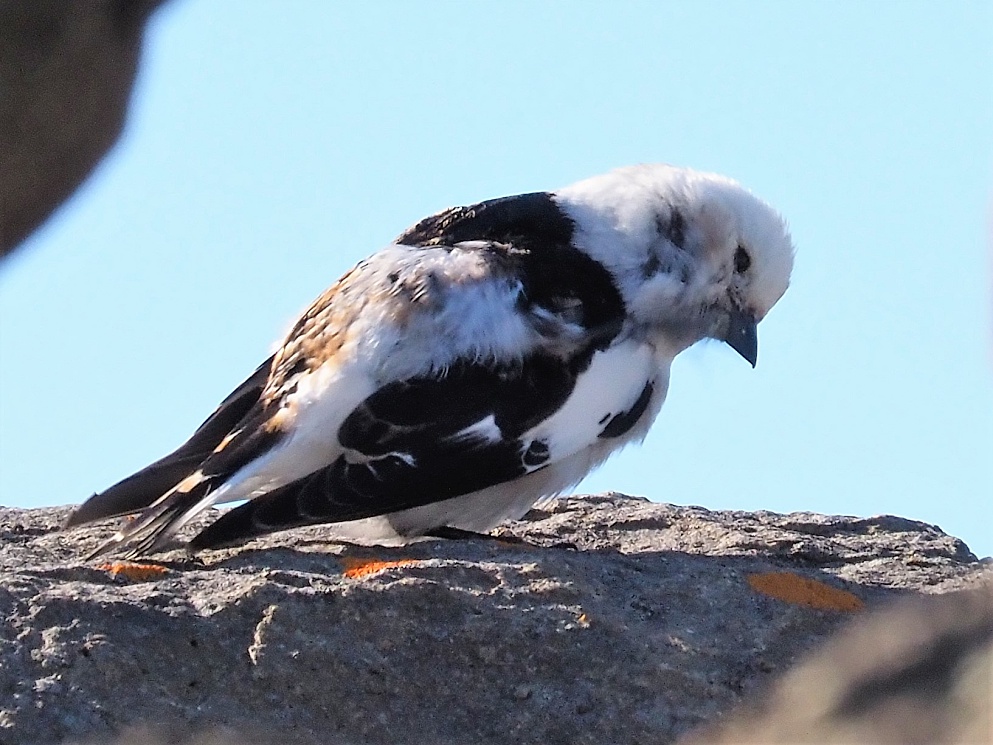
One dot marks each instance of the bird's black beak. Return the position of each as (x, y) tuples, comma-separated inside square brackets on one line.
[(742, 335)]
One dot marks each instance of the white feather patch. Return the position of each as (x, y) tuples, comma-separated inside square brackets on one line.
[(485, 430), (609, 386)]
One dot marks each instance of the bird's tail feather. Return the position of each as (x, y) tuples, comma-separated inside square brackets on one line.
[(136, 492), (144, 488), (152, 531)]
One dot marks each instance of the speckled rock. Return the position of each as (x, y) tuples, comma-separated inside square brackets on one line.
[(620, 620)]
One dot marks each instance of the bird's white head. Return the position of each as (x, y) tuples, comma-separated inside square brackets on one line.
[(693, 254)]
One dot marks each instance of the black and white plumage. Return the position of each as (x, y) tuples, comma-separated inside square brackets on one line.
[(490, 357)]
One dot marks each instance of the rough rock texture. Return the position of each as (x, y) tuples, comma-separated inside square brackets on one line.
[(66, 71), (920, 673), (645, 629)]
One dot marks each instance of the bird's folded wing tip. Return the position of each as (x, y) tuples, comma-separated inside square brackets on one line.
[(74, 518)]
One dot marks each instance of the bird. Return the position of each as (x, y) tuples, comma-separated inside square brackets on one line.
[(484, 361)]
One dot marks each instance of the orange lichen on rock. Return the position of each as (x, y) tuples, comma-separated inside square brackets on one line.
[(792, 588), (356, 568), (134, 572)]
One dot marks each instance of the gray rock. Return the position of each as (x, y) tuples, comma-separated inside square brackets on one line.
[(919, 673), (645, 629), (66, 72)]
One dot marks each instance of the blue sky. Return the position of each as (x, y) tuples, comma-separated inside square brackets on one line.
[(272, 146)]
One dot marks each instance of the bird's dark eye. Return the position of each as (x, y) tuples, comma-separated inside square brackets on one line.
[(741, 260)]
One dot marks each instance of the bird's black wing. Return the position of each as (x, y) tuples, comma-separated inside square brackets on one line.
[(527, 221), (141, 489), (422, 441)]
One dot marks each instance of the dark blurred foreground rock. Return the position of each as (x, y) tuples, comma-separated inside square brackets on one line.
[(918, 673), (66, 72), (660, 620)]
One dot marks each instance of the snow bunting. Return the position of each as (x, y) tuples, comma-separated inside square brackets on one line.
[(489, 358)]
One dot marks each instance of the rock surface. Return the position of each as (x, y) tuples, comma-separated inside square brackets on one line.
[(919, 673), (657, 619)]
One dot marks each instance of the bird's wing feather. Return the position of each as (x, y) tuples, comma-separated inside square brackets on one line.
[(138, 491), (426, 440), (250, 439)]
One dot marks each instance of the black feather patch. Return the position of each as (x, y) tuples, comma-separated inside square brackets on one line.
[(673, 228), (532, 238), (524, 220), (622, 423), (415, 438), (537, 454), (410, 447)]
